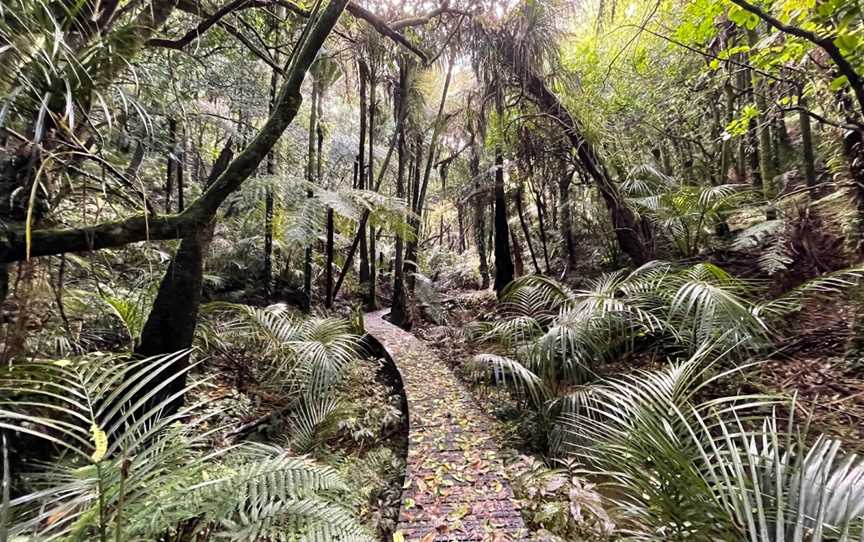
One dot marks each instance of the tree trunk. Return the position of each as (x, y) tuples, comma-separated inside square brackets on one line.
[(565, 218), (411, 245), (520, 210), (460, 219), (503, 259), (181, 165), (808, 165), (328, 280), (399, 313), (478, 204), (361, 179), (169, 166), (371, 303), (518, 260), (310, 178), (541, 220), (268, 201), (763, 134), (170, 326)]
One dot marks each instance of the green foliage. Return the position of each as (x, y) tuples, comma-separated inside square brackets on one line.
[(306, 354), (686, 213), (124, 454), (560, 501), (712, 469), (555, 335), (740, 125)]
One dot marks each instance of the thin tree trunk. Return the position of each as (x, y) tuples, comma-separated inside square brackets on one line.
[(518, 260), (169, 166), (181, 166), (361, 179), (808, 165), (565, 218), (540, 204), (520, 210), (328, 276), (763, 134), (310, 178), (478, 204), (503, 259), (371, 303), (271, 171), (460, 218), (399, 313), (411, 245)]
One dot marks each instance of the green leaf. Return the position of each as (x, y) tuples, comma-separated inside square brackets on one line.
[(838, 83)]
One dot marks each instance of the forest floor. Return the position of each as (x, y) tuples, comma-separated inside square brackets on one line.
[(810, 364)]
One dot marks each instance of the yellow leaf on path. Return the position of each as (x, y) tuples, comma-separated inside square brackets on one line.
[(398, 537), (429, 537)]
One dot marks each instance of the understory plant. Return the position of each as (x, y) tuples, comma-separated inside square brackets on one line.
[(675, 465), (127, 468), (680, 467)]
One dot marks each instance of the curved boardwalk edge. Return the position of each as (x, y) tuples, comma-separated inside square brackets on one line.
[(455, 487)]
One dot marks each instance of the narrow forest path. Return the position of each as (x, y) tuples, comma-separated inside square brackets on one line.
[(455, 487)]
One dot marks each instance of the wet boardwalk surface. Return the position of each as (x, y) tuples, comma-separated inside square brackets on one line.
[(455, 488)]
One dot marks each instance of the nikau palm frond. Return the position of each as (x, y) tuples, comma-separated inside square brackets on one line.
[(717, 469)]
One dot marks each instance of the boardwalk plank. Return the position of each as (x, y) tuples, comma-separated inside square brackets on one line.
[(455, 487)]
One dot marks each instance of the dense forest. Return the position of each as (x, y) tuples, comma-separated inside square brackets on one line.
[(548, 270)]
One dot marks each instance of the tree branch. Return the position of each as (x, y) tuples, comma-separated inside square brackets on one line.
[(141, 227), (378, 24), (202, 27), (423, 19), (826, 43)]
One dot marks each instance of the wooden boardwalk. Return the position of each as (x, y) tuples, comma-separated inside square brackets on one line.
[(455, 488)]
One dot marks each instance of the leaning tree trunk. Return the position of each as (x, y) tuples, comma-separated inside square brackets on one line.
[(170, 327), (526, 231), (540, 204), (634, 235)]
